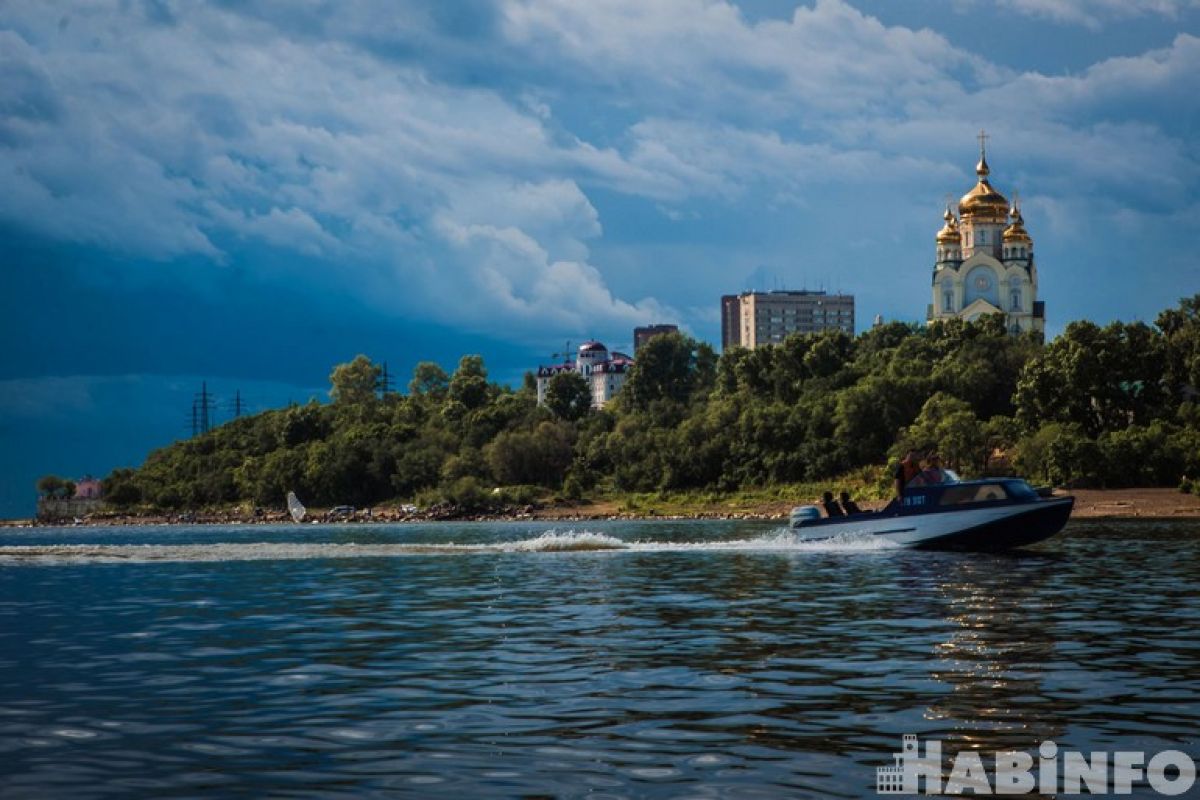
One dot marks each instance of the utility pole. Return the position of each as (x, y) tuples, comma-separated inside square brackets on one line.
[(238, 407)]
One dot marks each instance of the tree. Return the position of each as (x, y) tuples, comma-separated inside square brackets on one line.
[(1098, 378), (120, 488), (56, 488), (355, 383), (541, 456), (949, 425), (667, 368), (1181, 330), (568, 396), (300, 424), (469, 384), (429, 379), (49, 485)]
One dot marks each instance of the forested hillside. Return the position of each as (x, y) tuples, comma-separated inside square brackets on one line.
[(1098, 406)]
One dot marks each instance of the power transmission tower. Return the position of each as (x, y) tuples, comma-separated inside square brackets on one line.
[(385, 382), (203, 407), (238, 406)]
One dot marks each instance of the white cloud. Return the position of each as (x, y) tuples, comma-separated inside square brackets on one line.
[(434, 151), (1095, 13)]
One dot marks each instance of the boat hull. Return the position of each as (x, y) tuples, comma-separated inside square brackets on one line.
[(986, 527), (1027, 525)]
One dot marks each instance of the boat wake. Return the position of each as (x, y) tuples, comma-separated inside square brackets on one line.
[(781, 541)]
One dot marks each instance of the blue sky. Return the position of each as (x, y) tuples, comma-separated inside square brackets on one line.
[(249, 193)]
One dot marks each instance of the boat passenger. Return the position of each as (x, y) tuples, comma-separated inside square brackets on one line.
[(933, 472), (849, 506), (908, 468), (832, 509)]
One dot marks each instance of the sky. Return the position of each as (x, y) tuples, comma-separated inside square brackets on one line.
[(248, 193)]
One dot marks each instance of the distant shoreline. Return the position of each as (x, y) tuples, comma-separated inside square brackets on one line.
[(1090, 504)]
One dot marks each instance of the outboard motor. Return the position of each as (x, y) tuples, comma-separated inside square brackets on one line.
[(803, 515)]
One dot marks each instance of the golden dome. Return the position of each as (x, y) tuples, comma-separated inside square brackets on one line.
[(1016, 231), (949, 233), (983, 203)]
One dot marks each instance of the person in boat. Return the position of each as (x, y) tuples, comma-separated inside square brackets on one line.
[(933, 472), (908, 468), (832, 509), (849, 506)]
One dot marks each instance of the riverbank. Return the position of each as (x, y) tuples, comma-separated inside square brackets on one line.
[(1090, 504)]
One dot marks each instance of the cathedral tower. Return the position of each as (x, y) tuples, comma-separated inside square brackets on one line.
[(984, 260)]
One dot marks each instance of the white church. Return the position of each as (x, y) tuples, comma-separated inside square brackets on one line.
[(985, 261)]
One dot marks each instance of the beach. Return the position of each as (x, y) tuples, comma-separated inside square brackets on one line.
[(1143, 503)]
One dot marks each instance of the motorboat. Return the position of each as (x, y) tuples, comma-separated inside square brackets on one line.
[(990, 514)]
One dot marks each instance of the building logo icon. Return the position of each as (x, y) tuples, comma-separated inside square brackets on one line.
[(904, 776)]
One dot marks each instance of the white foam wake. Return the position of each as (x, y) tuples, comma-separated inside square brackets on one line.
[(549, 542)]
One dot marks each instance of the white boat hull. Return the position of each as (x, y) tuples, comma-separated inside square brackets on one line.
[(989, 527)]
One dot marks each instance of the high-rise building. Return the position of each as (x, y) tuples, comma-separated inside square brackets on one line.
[(753, 319), (984, 262), (731, 322), (644, 333)]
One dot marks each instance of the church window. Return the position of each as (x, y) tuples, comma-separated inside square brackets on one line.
[(1016, 300), (983, 236), (947, 301)]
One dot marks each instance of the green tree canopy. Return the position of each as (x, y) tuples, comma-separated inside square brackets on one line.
[(568, 396), (56, 488), (429, 379), (1097, 378), (669, 367), (469, 384), (1181, 329), (355, 383)]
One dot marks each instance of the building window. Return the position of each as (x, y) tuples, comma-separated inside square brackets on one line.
[(947, 301), (1016, 300)]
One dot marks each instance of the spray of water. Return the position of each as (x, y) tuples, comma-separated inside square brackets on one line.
[(552, 541)]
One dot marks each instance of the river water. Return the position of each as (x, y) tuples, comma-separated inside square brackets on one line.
[(608, 659)]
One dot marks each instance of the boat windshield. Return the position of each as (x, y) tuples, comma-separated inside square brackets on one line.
[(1020, 490), (972, 493)]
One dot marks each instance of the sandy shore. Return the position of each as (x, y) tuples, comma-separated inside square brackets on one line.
[(1090, 504)]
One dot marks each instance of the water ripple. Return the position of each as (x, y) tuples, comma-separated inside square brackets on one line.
[(627, 660)]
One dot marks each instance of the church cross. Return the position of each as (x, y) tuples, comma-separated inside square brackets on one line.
[(983, 137)]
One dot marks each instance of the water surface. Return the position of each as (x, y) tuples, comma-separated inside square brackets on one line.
[(630, 659)]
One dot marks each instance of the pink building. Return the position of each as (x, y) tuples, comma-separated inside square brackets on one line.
[(88, 488)]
